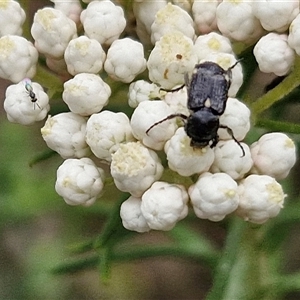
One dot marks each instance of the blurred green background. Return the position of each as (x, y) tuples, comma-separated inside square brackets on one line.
[(38, 230)]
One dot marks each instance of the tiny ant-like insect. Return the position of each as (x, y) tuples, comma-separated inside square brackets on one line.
[(31, 94)]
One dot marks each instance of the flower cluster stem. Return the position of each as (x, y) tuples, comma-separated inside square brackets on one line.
[(283, 89)]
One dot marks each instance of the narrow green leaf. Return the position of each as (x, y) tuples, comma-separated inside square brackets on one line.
[(278, 125), (48, 153), (75, 265)]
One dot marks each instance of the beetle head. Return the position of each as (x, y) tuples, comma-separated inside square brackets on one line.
[(202, 127)]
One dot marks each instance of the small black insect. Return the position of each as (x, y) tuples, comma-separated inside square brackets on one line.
[(31, 94), (207, 96)]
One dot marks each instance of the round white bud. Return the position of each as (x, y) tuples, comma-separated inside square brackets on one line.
[(65, 134), (131, 215), (103, 21), (229, 159), (261, 198), (214, 196), (211, 42), (172, 18), (274, 154), (294, 32), (164, 204), (84, 55), (242, 25), (105, 132), (52, 30), (275, 15), (15, 49), (12, 17), (134, 168), (79, 181), (140, 91), (171, 58), (144, 116), (204, 14), (22, 108), (273, 54), (71, 8), (237, 117), (125, 60), (86, 94)]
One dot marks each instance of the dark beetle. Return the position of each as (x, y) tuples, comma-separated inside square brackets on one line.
[(207, 96)]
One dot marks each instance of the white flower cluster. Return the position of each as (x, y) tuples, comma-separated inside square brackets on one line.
[(232, 176)]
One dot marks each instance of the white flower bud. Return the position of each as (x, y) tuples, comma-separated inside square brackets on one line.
[(103, 21), (12, 17), (273, 54), (212, 42), (204, 14), (227, 60), (242, 25), (214, 196), (169, 19), (261, 198), (140, 91), (71, 8), (185, 159), (237, 117), (86, 94), (105, 132), (18, 58), (294, 32), (144, 116), (171, 58), (65, 134), (145, 12), (131, 215), (23, 109), (178, 101), (79, 181), (184, 4), (164, 204), (84, 55), (134, 168), (274, 154), (125, 60), (229, 159), (52, 30), (275, 15)]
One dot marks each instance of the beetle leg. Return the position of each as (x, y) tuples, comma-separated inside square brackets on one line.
[(229, 130), (214, 142)]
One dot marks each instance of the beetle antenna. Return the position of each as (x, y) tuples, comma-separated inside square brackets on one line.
[(173, 90), (230, 68), (182, 116)]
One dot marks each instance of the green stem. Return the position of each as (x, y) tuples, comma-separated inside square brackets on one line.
[(227, 260), (283, 89), (278, 125)]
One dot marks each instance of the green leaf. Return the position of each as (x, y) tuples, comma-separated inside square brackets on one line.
[(278, 125), (48, 153)]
